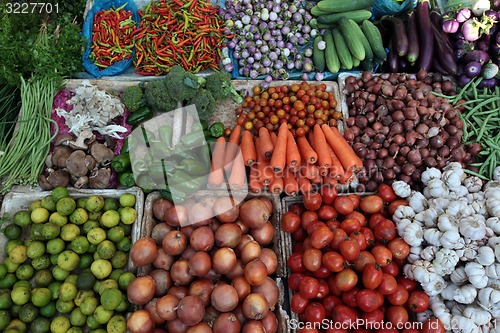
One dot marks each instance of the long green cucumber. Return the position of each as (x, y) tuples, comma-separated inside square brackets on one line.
[(342, 49), (352, 38), (318, 55), (336, 6), (357, 15), (331, 56), (366, 44), (375, 38)]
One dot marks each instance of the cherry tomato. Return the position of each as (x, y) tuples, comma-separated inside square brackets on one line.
[(346, 280), (309, 287), (369, 236), (367, 300), (315, 312), (290, 222), (395, 204), (410, 285), (372, 317), (356, 200), (360, 330), (358, 216), (362, 260), (294, 280), (296, 209), (350, 225), (338, 236), (349, 249), (329, 193), (372, 276), (312, 201), (327, 212), (392, 268), (399, 248), (371, 204), (307, 218), (418, 301), (344, 315), (333, 261), (410, 330), (433, 325), (386, 193), (385, 231), (375, 219), (388, 285), (330, 302), (400, 262), (387, 330), (322, 273), (323, 289), (399, 297), (396, 314), (296, 263), (306, 244), (360, 238), (343, 205), (298, 303), (312, 259), (321, 237), (382, 255), (349, 297)]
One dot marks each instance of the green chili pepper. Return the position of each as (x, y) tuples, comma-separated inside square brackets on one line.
[(217, 130), (140, 116), (121, 162), (127, 179), (193, 167), (165, 132), (125, 147), (204, 124)]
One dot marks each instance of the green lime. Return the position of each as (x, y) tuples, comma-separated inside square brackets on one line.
[(12, 243), (81, 203), (18, 254), (101, 268), (8, 281), (22, 283), (106, 249), (77, 318), (124, 245), (41, 263), (105, 285), (60, 324), (115, 234), (54, 289), (128, 215), (13, 231), (22, 218), (127, 200), (5, 299), (53, 259), (86, 281), (36, 249), (65, 306), (50, 231), (66, 206), (116, 273), (14, 310), (40, 215), (16, 326), (59, 192), (97, 286), (34, 205), (111, 204), (75, 330), (124, 306), (117, 324), (49, 310), (59, 273), (4, 319), (111, 298), (92, 248), (92, 322), (72, 279), (28, 313), (55, 246), (3, 271), (96, 256), (36, 232), (110, 219), (49, 203), (89, 305), (95, 203), (20, 295), (68, 260), (80, 244), (40, 325), (102, 315), (10, 265), (97, 235), (82, 295), (67, 291), (99, 330), (41, 296), (95, 216), (25, 272), (58, 219), (89, 225), (79, 216), (125, 279), (43, 278), (119, 260), (127, 228), (86, 260), (69, 232)]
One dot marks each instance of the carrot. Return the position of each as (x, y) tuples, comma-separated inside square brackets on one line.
[(264, 171), (274, 138), (248, 148), (310, 171), (276, 186), (321, 148), (347, 178), (345, 153), (336, 169), (304, 184), (306, 151), (329, 181), (317, 180), (216, 176), (238, 174), (233, 144), (255, 185), (290, 183), (310, 138), (266, 144), (292, 151), (278, 160)]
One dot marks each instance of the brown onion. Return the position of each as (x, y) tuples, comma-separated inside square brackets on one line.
[(224, 298), (236, 271), (254, 213), (200, 264), (255, 306), (151, 308), (191, 310), (160, 206), (202, 288), (223, 260), (226, 323), (265, 235), (166, 307), (250, 251), (188, 253), (228, 235), (270, 323), (178, 291), (159, 231), (176, 326), (256, 272), (143, 252), (243, 241), (200, 328), (243, 288), (200, 214), (210, 315), (243, 226), (269, 258), (163, 260), (269, 289), (212, 276), (226, 210), (238, 312), (202, 239), (141, 290), (180, 273), (163, 281), (140, 321), (188, 230), (176, 216), (174, 242)]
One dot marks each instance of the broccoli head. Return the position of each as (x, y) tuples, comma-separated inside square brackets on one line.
[(133, 98), (177, 89), (157, 96), (220, 85), (205, 104)]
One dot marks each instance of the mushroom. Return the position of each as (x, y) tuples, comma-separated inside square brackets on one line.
[(82, 142), (102, 154), (60, 155), (59, 178), (48, 161), (44, 184), (99, 178), (64, 139), (90, 162), (76, 164), (81, 182)]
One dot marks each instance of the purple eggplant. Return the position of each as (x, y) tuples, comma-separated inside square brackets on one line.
[(477, 55), (400, 37), (463, 80), (482, 45), (489, 71), (392, 58), (451, 26), (497, 39), (492, 13), (473, 69), (463, 15), (488, 83), (495, 5), (442, 45), (426, 37), (411, 29), (471, 30)]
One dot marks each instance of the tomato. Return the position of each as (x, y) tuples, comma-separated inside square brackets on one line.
[(375, 219), (346, 280), (294, 280), (369, 236), (330, 302), (410, 330), (386, 193), (329, 193), (344, 314), (321, 237), (298, 303), (315, 312), (371, 204), (372, 276), (356, 199), (334, 289), (382, 255), (396, 314), (290, 222), (323, 289), (387, 330), (372, 317), (410, 285), (395, 204), (358, 216), (400, 262), (332, 224), (362, 260), (367, 300), (399, 297), (338, 236), (313, 226), (433, 325), (322, 273), (349, 297), (418, 301), (312, 259), (360, 238), (360, 330), (392, 268), (298, 247), (299, 235), (385, 231), (388, 285), (349, 249), (343, 205), (307, 218), (306, 244), (350, 225), (309, 287), (307, 329), (296, 263), (333, 261), (312, 201), (326, 212), (296, 209), (399, 248)]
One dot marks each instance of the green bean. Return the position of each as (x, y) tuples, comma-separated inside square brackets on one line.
[(470, 172)]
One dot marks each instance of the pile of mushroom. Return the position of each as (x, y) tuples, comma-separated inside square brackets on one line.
[(80, 162)]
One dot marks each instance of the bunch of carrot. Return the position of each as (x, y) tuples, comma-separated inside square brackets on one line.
[(281, 162)]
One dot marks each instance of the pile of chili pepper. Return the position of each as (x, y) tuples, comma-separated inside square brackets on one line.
[(176, 32), (112, 36)]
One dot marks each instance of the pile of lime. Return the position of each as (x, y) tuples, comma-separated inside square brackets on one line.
[(65, 265)]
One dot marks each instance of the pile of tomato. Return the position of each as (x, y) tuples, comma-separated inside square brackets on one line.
[(346, 266)]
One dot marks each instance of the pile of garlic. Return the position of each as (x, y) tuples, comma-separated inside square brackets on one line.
[(453, 228)]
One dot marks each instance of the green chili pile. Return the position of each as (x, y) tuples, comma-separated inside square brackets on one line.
[(112, 36), (174, 32)]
